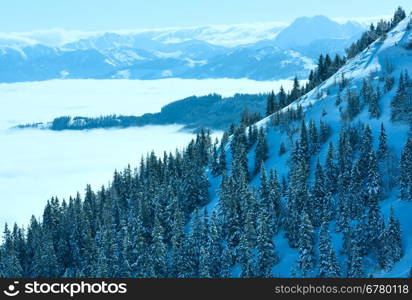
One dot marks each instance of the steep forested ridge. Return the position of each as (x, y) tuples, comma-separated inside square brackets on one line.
[(322, 187)]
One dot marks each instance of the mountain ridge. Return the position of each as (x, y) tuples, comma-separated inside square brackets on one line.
[(192, 53)]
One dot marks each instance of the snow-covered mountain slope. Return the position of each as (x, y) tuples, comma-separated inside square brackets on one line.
[(384, 58), (255, 51)]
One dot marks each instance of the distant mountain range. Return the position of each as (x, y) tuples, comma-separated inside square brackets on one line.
[(259, 52)]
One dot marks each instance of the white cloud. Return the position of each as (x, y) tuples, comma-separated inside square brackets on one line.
[(53, 37), (124, 74), (38, 164), (64, 74)]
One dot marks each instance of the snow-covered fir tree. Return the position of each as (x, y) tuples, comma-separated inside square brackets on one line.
[(328, 263)]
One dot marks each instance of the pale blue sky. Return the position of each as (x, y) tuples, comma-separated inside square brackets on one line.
[(27, 15)]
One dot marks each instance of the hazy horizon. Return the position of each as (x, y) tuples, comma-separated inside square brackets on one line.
[(104, 15), (60, 36)]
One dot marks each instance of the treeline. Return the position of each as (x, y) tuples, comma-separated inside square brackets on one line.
[(375, 33), (211, 111), (327, 66)]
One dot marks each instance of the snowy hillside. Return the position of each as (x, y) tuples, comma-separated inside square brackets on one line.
[(382, 61)]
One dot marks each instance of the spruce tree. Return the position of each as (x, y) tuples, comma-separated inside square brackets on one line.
[(314, 143), (374, 225), (324, 132), (382, 152), (355, 192), (405, 177), (158, 257), (225, 267), (398, 16), (306, 243), (246, 256), (282, 149), (282, 97), (177, 240), (222, 158), (275, 201), (373, 180), (374, 108), (353, 105), (266, 256), (331, 170), (355, 259), (270, 104), (45, 261), (366, 91), (214, 247), (124, 269), (101, 267), (296, 91), (319, 209), (229, 211), (328, 264), (338, 100), (261, 151), (10, 266), (343, 214), (214, 164), (366, 151), (393, 242), (204, 263), (399, 104), (240, 160)]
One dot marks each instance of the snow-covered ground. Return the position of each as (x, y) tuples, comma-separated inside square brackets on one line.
[(373, 60), (319, 104), (36, 164)]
